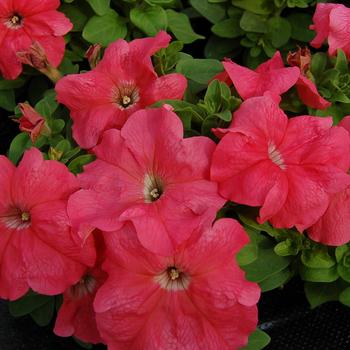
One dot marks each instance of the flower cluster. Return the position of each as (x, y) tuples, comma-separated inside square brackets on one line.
[(134, 242)]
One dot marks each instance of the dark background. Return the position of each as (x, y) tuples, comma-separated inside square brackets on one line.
[(284, 315)]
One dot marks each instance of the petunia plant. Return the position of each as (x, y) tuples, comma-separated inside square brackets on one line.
[(172, 160)]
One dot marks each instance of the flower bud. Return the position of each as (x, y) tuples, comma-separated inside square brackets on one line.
[(300, 58), (93, 54)]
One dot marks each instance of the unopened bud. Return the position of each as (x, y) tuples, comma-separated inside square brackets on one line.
[(300, 58), (93, 54)]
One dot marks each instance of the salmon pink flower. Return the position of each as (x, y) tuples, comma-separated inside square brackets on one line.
[(273, 77), (37, 247), (123, 82), (32, 122), (333, 226), (148, 174), (332, 21), (270, 76), (27, 21), (289, 167), (197, 298), (76, 316)]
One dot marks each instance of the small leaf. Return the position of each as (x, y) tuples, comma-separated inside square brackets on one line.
[(275, 281), (228, 28), (251, 22), (180, 25), (101, 7), (44, 314), (214, 13), (150, 20), (7, 100), (18, 145), (105, 29), (279, 31), (77, 164), (257, 340)]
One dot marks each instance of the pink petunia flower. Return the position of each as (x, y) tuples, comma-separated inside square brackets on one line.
[(148, 174), (123, 82), (195, 299), (37, 247), (76, 316), (26, 21), (32, 122), (289, 167), (332, 21), (270, 76), (333, 226)]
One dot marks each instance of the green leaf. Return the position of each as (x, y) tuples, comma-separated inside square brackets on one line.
[(18, 145), (341, 63), (261, 7), (286, 248), (105, 29), (247, 254), (257, 340), (300, 23), (56, 125), (279, 31), (100, 7), (11, 84), (344, 272), (77, 164), (47, 106), (266, 227), (199, 70), (180, 25), (317, 258), (267, 264), (28, 303), (44, 314), (275, 281), (318, 275), (77, 15), (344, 297), (251, 22), (318, 63), (214, 13), (7, 100), (209, 123), (319, 293), (228, 28), (150, 20)]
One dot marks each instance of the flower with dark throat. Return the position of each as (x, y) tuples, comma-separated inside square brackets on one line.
[(196, 298), (123, 82), (77, 317), (38, 249), (148, 174), (24, 22)]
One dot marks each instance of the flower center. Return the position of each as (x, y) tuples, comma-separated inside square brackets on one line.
[(15, 21), (16, 219), (85, 286), (275, 156), (126, 95), (153, 188), (173, 279)]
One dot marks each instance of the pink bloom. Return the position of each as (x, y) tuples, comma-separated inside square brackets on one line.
[(332, 22), (123, 82), (37, 247), (32, 122), (289, 167), (333, 226), (154, 178), (270, 76), (26, 21), (76, 316), (195, 299)]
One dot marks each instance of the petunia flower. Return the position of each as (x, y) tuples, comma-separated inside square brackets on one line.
[(37, 247), (76, 316), (32, 122), (270, 76), (288, 167), (123, 82), (332, 21), (27, 21), (197, 298), (333, 226), (148, 174)]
